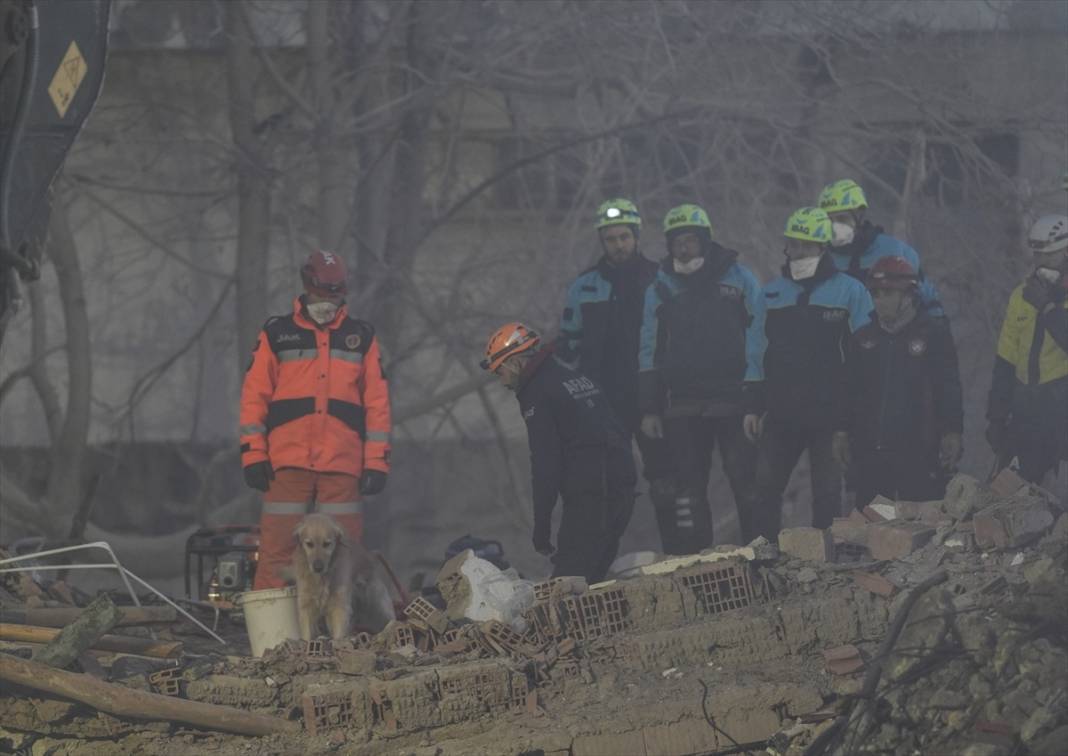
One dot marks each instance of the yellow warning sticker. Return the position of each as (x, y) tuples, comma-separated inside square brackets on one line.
[(67, 79)]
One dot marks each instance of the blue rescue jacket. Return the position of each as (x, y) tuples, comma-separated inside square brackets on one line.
[(693, 341), (798, 342), (600, 328), (871, 244)]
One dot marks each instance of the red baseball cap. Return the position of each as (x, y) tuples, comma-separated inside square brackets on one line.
[(324, 274)]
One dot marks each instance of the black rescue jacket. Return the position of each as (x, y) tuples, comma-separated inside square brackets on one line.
[(600, 328), (903, 388), (693, 348), (577, 446)]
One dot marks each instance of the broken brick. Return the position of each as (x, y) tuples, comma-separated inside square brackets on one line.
[(874, 583), (897, 539), (356, 661), (1007, 483), (843, 660), (422, 610), (856, 516), (1010, 524), (931, 512), (881, 509), (963, 541), (848, 530), (813, 544), (167, 681)]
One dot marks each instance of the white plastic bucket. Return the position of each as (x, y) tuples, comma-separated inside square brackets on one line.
[(270, 617)]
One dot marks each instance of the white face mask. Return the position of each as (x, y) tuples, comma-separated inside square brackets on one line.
[(1049, 275), (804, 267), (686, 268), (322, 312), (841, 234)]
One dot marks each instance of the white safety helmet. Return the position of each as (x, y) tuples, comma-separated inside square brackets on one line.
[(1048, 234)]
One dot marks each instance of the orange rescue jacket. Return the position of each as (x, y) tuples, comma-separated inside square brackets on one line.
[(315, 397)]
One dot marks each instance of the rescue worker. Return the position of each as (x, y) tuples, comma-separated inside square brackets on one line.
[(578, 451), (903, 437), (315, 419), (601, 324), (1028, 405), (795, 387), (693, 365), (858, 243)]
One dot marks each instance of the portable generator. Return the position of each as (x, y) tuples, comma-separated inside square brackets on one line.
[(232, 553)]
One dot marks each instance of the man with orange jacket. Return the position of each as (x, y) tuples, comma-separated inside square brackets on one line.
[(315, 418)]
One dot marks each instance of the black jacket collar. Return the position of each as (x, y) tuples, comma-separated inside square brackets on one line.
[(717, 260), (631, 268), (863, 238), (532, 367)]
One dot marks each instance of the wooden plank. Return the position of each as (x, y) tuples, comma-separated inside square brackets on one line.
[(120, 644), (127, 702), (63, 616)]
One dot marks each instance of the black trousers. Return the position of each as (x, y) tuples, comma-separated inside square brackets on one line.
[(1037, 432), (781, 447), (590, 528), (657, 463), (904, 475), (683, 512)]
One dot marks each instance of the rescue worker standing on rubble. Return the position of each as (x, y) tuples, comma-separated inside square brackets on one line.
[(857, 243), (601, 324), (693, 364), (578, 451), (795, 388), (1028, 405), (903, 437), (315, 418)]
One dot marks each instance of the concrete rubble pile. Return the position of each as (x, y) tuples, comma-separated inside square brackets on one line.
[(909, 627)]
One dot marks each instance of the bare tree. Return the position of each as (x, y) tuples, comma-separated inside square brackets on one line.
[(453, 151)]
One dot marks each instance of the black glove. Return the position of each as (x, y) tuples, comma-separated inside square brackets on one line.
[(1039, 293), (997, 435), (372, 482), (259, 475), (542, 539)]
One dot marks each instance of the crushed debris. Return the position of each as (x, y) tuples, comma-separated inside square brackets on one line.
[(919, 629)]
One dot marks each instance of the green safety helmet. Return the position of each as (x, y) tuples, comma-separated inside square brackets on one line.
[(809, 224), (842, 195), (686, 216), (618, 211)]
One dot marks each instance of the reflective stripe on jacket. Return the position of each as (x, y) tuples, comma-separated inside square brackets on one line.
[(797, 343), (315, 397)]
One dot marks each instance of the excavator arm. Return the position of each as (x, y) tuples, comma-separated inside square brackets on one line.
[(52, 55)]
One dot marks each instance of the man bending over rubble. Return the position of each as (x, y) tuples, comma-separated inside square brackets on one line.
[(579, 451)]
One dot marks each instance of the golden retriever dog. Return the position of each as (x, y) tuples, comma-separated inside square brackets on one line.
[(337, 581)]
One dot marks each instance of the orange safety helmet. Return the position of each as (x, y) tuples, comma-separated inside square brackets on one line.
[(507, 340)]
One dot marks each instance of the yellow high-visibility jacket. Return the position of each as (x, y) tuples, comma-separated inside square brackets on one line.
[(1032, 352)]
